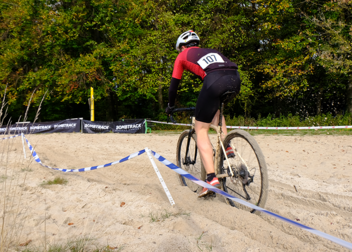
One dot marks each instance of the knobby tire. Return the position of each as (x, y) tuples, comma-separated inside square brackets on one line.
[(241, 139), (196, 169)]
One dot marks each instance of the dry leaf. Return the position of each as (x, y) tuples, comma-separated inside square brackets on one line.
[(70, 224), (26, 243), (140, 227), (112, 247), (122, 204)]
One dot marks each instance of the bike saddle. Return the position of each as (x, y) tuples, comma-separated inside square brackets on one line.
[(227, 96)]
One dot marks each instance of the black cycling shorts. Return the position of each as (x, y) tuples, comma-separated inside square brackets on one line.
[(215, 84)]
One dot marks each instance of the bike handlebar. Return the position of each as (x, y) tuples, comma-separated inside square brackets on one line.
[(179, 110)]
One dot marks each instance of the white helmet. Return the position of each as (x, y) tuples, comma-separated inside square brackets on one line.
[(185, 38)]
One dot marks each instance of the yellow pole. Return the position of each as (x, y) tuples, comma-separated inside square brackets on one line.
[(92, 104)]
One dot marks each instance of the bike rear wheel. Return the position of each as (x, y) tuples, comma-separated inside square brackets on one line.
[(250, 182), (190, 161)]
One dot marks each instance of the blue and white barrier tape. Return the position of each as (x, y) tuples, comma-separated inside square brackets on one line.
[(268, 128), (10, 137), (201, 183), (216, 190), (37, 159)]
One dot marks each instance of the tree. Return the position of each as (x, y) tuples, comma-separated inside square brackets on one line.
[(333, 22)]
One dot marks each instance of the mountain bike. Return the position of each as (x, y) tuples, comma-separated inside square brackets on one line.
[(243, 176)]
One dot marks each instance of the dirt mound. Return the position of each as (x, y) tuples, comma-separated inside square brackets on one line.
[(124, 206)]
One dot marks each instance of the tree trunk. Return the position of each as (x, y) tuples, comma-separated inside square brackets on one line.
[(160, 97), (109, 113), (319, 101), (349, 96), (113, 105)]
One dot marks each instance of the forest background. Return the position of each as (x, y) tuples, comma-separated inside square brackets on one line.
[(294, 56)]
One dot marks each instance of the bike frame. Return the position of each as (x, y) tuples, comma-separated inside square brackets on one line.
[(219, 147), (237, 171)]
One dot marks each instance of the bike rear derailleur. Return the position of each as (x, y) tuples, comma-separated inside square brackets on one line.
[(241, 174)]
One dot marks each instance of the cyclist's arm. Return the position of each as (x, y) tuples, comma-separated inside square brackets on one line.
[(175, 80), (173, 91)]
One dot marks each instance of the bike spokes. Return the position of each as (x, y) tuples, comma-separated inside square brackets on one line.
[(246, 183)]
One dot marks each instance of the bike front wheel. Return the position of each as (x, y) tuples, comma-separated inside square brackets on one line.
[(250, 180), (188, 158)]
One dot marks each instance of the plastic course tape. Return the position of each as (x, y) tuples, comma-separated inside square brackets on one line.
[(10, 137), (201, 183), (218, 191), (24, 150), (168, 194), (37, 159), (268, 128)]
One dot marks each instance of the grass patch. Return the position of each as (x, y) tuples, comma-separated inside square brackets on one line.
[(56, 181), (3, 178), (26, 170), (271, 121), (79, 245), (158, 217), (201, 243), (333, 132)]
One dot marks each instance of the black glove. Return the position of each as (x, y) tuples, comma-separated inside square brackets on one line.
[(169, 109)]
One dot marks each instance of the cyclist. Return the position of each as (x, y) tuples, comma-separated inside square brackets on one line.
[(219, 75)]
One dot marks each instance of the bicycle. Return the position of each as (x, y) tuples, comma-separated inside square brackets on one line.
[(243, 176)]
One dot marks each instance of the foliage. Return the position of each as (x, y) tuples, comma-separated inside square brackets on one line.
[(293, 56), (272, 121)]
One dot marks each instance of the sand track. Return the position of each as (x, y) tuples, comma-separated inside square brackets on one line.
[(124, 205)]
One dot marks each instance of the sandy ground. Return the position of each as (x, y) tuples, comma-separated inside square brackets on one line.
[(124, 206)]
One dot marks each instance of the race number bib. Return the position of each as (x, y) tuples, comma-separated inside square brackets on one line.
[(208, 59)]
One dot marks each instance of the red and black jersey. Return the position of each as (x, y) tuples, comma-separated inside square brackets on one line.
[(201, 61)]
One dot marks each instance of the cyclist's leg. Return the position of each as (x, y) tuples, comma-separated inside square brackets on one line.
[(206, 109), (206, 154), (207, 112), (215, 122), (204, 145), (230, 82)]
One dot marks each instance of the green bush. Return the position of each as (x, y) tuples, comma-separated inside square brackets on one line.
[(271, 121)]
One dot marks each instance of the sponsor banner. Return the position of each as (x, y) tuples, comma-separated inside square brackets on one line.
[(129, 126), (17, 128), (126, 126), (96, 126), (65, 126)]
